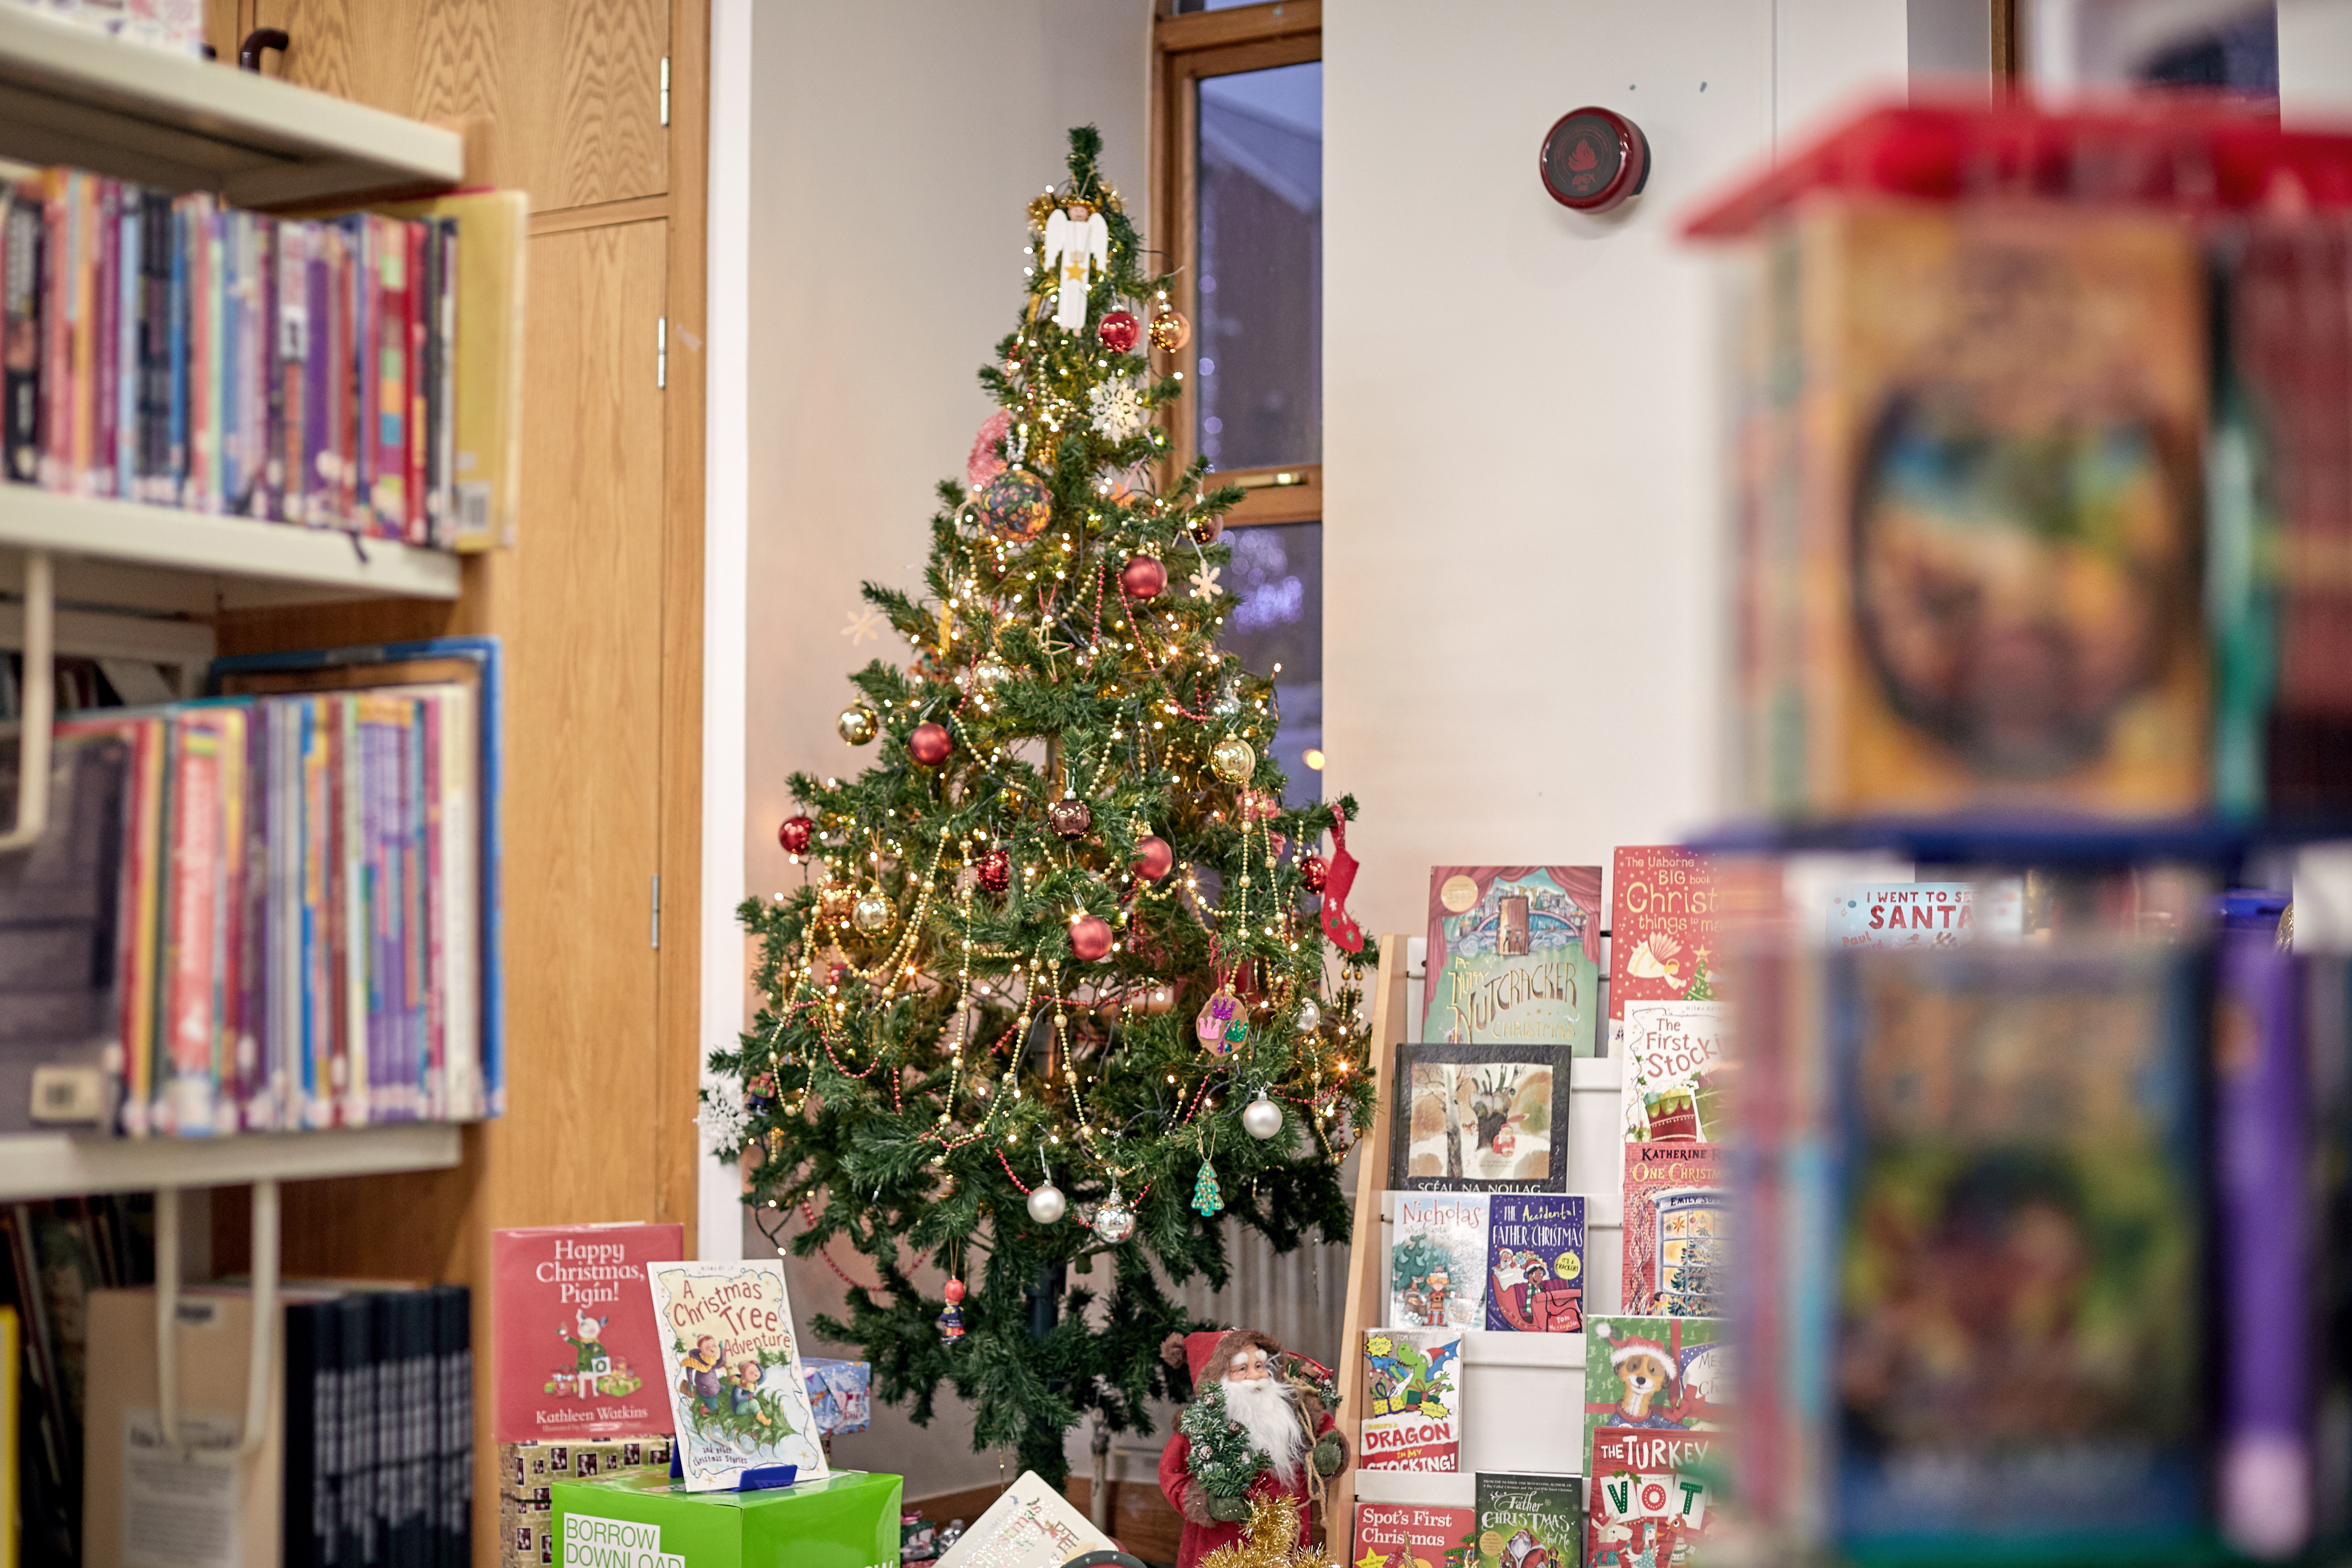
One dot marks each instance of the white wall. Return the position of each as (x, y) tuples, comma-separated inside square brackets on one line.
[(2315, 63), (892, 146), (1521, 593)]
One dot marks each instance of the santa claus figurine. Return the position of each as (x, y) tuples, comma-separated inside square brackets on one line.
[(1243, 1402)]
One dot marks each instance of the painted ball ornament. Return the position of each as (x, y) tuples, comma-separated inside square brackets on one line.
[(1015, 505), (994, 870), (1120, 331), (1070, 818), (1047, 1204), (929, 745), (1232, 759), (1142, 577), (1262, 1118), (871, 913), (1154, 858), (857, 724), (796, 833), (1170, 330), (1090, 938), (1315, 871)]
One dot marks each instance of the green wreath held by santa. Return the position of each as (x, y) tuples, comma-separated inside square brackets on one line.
[(1259, 1425)]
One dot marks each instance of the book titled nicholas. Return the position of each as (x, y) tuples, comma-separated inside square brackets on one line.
[(1529, 1521), (1414, 1421), (1412, 1535), (1514, 955), (1437, 1275), (577, 1343), (1535, 1263), (734, 1372)]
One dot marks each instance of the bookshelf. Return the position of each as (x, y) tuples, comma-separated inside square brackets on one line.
[(71, 96), (57, 1165)]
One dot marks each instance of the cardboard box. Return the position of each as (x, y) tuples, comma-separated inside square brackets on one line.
[(849, 1520), (525, 1468)]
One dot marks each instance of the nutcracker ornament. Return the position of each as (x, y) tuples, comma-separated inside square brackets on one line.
[(1078, 246), (951, 1321)]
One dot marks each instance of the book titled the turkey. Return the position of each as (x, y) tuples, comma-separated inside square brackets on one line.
[(1657, 1392), (1664, 913), (1437, 1275), (1415, 1419), (578, 1353), (1529, 1521), (1514, 955), (1412, 1535), (1535, 1263)]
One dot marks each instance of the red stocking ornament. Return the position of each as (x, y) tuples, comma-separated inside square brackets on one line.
[(1338, 924)]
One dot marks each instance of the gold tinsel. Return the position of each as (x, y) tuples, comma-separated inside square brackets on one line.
[(1270, 1541)]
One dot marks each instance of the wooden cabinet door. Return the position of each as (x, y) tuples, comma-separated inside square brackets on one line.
[(583, 591), (570, 89)]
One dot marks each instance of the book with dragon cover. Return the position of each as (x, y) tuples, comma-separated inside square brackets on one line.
[(1664, 929), (1437, 1274), (1514, 955), (732, 1365), (1535, 1263), (1414, 1421), (1658, 1394)]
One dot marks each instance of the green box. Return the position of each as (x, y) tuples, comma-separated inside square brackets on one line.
[(850, 1519)]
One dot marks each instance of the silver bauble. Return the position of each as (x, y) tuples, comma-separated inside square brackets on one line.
[(1261, 1118), (1047, 1204), (1114, 1222), (1310, 1016)]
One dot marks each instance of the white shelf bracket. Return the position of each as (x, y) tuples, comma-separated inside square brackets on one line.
[(262, 1360), (39, 690)]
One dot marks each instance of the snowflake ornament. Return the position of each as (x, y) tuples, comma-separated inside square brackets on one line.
[(865, 625), (1204, 581), (1117, 408)]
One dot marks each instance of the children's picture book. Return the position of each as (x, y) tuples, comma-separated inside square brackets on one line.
[(1480, 1119), (1029, 1525), (1678, 1236), (1411, 1535), (1925, 914), (1665, 911), (733, 1366), (1437, 1275), (1677, 1079), (1514, 955), (1535, 1263), (1657, 1394), (578, 1349), (1529, 1521), (1415, 1419)]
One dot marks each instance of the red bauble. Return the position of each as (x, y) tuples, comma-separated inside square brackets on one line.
[(1090, 938), (1314, 873), (929, 745), (1153, 857), (1142, 577), (796, 835), (1120, 331), (994, 870)]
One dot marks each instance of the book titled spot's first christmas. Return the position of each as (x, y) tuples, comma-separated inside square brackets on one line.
[(578, 1353), (734, 1372)]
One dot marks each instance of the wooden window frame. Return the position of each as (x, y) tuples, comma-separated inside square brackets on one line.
[(1184, 49)]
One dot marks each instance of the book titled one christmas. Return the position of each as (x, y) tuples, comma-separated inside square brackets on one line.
[(1514, 955), (734, 1369), (1529, 1521), (1665, 911), (1923, 914), (1437, 1256), (1657, 1392), (1677, 1231), (1413, 1420), (1675, 1087), (1412, 1535), (578, 1346), (1535, 1263)]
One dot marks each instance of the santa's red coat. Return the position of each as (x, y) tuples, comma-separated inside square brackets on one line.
[(1177, 1484)]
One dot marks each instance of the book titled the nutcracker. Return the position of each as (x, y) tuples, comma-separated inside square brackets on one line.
[(1657, 1392), (1535, 1263), (1415, 1419), (1529, 1521), (1678, 1076), (1514, 955), (1664, 910), (1413, 1535), (734, 1369), (1437, 1275), (1678, 1236), (578, 1348)]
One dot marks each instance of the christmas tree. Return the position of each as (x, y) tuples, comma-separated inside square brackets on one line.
[(1060, 955)]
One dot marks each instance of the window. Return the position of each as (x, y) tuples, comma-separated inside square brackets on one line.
[(1237, 161)]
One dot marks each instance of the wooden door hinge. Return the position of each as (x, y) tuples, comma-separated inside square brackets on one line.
[(665, 92), (656, 929), (661, 351)]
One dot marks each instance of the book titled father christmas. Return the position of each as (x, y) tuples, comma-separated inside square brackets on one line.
[(578, 1351), (734, 1374)]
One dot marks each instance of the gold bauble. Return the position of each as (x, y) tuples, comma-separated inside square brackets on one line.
[(871, 913), (857, 724), (1232, 759), (1170, 330), (833, 900)]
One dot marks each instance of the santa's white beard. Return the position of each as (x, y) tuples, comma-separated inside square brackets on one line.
[(1268, 1409)]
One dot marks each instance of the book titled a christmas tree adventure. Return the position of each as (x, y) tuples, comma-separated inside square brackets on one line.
[(1415, 1419), (1437, 1274), (1664, 913), (1514, 955), (1535, 1263), (1657, 1392), (734, 1374), (1529, 1521)]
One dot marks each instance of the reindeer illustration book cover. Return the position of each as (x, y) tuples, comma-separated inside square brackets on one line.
[(1514, 955), (1657, 1394), (1415, 1419), (1437, 1274), (732, 1365), (1481, 1119), (578, 1351), (1535, 1263)]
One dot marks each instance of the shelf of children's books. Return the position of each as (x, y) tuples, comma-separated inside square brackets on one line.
[(68, 95), (2012, 839), (122, 552), (55, 1164)]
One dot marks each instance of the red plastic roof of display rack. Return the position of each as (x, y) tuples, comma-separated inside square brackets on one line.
[(2194, 154)]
